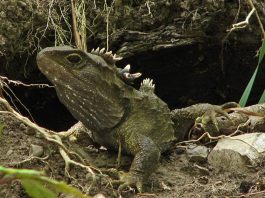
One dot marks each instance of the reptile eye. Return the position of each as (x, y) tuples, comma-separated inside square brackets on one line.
[(74, 58)]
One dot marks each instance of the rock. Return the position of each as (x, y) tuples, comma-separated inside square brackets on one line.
[(29, 131), (238, 153), (5, 132), (12, 133), (203, 180), (197, 153), (38, 135), (36, 150), (99, 196), (9, 152), (22, 126)]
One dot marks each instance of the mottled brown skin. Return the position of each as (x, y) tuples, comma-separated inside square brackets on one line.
[(117, 114)]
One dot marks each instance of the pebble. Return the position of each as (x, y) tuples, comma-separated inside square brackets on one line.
[(29, 131), (99, 195), (36, 150), (22, 126), (9, 152), (197, 153), (5, 132)]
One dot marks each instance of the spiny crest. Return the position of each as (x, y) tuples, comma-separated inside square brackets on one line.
[(147, 86), (148, 83), (106, 55), (111, 59)]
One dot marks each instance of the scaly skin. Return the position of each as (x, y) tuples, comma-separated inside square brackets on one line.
[(96, 93)]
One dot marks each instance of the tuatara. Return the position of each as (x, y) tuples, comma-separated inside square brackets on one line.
[(98, 95)]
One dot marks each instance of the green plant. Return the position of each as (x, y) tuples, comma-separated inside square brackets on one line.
[(36, 185), (245, 96)]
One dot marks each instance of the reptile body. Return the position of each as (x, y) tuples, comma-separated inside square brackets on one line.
[(94, 91)]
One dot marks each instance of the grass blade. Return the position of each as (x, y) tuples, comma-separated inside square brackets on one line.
[(262, 98), (245, 95)]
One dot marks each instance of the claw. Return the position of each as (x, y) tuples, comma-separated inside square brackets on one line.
[(223, 113), (210, 116), (124, 186), (128, 181), (226, 107), (213, 118)]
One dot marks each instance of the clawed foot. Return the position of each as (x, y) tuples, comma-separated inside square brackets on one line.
[(210, 115), (127, 181)]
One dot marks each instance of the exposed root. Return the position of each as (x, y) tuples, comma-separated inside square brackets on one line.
[(50, 136), (29, 159), (180, 144)]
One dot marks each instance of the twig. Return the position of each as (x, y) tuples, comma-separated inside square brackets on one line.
[(244, 23), (75, 29), (216, 138), (108, 9), (30, 158), (148, 4), (17, 82), (258, 18)]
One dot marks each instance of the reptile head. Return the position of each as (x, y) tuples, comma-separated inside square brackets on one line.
[(86, 84)]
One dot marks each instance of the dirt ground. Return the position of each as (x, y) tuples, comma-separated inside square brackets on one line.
[(176, 176)]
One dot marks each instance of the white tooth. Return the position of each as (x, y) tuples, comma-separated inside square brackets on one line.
[(127, 67), (93, 50), (97, 50), (102, 50)]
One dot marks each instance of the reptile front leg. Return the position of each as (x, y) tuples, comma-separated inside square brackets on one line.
[(146, 158)]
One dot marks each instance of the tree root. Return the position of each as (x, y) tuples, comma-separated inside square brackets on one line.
[(53, 137)]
